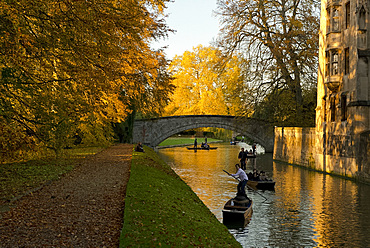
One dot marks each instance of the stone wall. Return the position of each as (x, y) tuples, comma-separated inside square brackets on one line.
[(363, 158), (344, 155), (296, 145)]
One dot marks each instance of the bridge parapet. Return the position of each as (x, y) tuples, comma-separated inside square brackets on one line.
[(152, 132)]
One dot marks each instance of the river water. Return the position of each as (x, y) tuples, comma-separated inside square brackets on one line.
[(307, 208)]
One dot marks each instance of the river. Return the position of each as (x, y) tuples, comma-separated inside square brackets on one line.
[(307, 208)]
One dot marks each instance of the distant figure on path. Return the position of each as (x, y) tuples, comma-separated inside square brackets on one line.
[(139, 147), (195, 143)]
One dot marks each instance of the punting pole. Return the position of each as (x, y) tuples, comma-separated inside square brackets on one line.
[(247, 185)]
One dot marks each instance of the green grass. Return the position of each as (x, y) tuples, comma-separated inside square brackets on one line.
[(20, 177), (161, 210), (184, 141)]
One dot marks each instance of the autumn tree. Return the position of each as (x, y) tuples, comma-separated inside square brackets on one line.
[(205, 86), (276, 107), (279, 39), (70, 68)]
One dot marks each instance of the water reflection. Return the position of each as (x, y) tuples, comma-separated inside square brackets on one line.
[(307, 209)]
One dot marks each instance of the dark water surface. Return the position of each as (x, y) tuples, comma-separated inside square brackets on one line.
[(307, 209)]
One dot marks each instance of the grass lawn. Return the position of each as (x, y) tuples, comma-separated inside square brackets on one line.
[(161, 210), (20, 177), (184, 141)]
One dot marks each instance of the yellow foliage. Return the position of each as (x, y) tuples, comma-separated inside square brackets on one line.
[(203, 86), (76, 66)]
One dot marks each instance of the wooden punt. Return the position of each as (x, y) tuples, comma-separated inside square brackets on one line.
[(201, 148), (263, 185), (237, 211)]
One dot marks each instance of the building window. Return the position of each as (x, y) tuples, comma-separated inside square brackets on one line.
[(348, 14), (332, 60), (332, 109), (324, 103), (327, 60), (346, 61), (343, 107), (328, 21), (362, 19), (334, 63), (335, 19)]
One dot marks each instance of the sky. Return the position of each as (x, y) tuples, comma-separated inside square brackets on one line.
[(194, 22)]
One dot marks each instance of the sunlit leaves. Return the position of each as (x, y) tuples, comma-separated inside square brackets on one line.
[(205, 85), (65, 64)]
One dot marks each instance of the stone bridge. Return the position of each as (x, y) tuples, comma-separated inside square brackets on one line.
[(152, 132)]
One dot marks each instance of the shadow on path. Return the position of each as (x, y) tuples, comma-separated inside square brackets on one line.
[(82, 209)]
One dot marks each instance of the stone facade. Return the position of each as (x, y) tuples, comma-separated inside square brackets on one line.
[(342, 130), (295, 145)]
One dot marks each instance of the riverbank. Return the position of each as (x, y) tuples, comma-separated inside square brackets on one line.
[(161, 210)]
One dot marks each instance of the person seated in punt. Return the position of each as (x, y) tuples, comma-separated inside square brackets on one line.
[(250, 175), (255, 176), (263, 176)]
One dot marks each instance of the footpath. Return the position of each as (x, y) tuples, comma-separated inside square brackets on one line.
[(82, 209)]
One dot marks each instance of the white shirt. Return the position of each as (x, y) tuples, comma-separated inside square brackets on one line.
[(241, 174)]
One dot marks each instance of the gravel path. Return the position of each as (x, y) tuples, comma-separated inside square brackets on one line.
[(82, 209)]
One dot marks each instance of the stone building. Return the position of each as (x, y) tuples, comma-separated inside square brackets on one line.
[(340, 142)]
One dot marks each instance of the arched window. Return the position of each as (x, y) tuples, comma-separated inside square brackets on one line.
[(362, 19), (328, 29), (327, 66), (334, 63), (346, 61), (343, 107), (348, 14), (332, 109), (335, 19)]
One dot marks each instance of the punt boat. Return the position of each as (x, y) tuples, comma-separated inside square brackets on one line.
[(201, 148), (263, 185), (251, 155), (237, 211)]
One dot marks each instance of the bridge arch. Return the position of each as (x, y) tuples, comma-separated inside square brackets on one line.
[(152, 132)]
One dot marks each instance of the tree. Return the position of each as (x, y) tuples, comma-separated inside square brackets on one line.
[(279, 38), (203, 86), (65, 64), (277, 108)]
